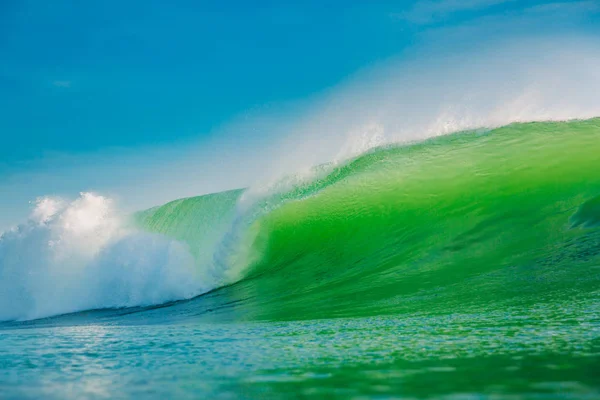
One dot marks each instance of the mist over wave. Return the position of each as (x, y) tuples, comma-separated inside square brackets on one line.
[(432, 92), (79, 255)]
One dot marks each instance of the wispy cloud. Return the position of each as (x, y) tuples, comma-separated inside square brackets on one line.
[(566, 6), (430, 11), (62, 84)]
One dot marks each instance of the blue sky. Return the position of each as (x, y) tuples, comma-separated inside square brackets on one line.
[(83, 75), (79, 76), (84, 78)]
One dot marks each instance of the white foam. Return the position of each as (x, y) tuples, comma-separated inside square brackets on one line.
[(79, 255)]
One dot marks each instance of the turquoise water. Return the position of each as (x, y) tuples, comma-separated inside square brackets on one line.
[(465, 266), (523, 353)]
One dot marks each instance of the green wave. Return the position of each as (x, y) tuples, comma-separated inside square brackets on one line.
[(508, 217)]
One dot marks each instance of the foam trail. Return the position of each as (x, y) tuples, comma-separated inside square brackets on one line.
[(79, 255)]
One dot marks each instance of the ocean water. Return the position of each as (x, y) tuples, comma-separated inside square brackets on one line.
[(463, 266)]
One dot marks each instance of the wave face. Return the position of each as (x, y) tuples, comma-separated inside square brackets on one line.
[(508, 217), (478, 220)]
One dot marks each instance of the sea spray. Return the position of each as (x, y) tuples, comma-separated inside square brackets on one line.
[(80, 255)]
